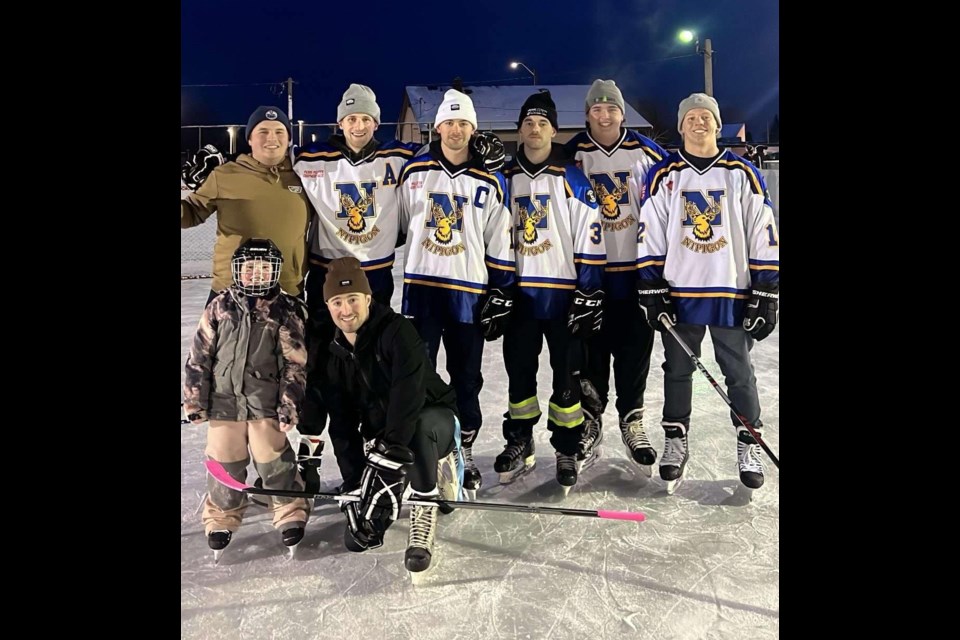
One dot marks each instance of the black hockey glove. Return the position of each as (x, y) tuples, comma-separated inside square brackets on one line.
[(760, 315), (495, 313), (655, 301), (196, 170), (586, 313), (381, 495), (488, 146)]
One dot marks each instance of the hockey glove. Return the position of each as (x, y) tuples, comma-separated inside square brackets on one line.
[(488, 146), (655, 301), (760, 315), (495, 314), (381, 495), (586, 313), (196, 170)]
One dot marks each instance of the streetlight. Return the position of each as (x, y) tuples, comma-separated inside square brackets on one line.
[(686, 36), (533, 72), (233, 135), (300, 124)]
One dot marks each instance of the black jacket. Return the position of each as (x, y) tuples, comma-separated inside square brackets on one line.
[(378, 387)]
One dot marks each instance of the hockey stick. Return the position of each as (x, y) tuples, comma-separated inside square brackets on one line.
[(676, 336), (220, 475)]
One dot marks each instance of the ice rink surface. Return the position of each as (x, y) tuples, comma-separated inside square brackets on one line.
[(705, 564)]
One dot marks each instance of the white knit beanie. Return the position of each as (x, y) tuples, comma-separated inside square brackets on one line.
[(456, 106)]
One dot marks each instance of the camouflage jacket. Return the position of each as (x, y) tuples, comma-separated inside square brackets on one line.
[(248, 359)]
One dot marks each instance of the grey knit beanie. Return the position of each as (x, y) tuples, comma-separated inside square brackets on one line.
[(359, 98)]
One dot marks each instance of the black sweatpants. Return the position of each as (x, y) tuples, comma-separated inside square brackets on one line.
[(463, 344), (628, 339)]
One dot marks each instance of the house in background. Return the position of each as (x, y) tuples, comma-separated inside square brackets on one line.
[(730, 133), (497, 110)]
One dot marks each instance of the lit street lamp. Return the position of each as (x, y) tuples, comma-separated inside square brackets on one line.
[(686, 36), (532, 72), (233, 139)]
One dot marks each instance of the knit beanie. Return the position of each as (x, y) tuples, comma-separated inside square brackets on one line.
[(456, 106), (268, 113), (698, 101), (359, 98), (539, 104), (602, 91), (344, 275)]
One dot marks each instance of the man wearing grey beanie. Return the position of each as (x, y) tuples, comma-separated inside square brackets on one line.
[(710, 258), (350, 180), (616, 161)]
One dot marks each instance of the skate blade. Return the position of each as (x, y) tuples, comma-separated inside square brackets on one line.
[(423, 577), (673, 485), (292, 552), (591, 460), (203, 500), (566, 489), (508, 477), (645, 469), (470, 494), (217, 553)]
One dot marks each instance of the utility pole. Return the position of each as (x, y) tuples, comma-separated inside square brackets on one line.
[(708, 67), (290, 98)]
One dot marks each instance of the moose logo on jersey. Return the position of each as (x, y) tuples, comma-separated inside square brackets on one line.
[(533, 212), (445, 214), (356, 204), (702, 212), (612, 192)]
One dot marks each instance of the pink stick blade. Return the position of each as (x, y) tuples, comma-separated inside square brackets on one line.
[(220, 474), (622, 515)]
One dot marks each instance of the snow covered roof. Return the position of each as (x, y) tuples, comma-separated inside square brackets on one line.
[(498, 106)]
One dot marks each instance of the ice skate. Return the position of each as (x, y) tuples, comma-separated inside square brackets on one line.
[(749, 462), (568, 470), (635, 439), (675, 456), (517, 459), (218, 541), (472, 480)]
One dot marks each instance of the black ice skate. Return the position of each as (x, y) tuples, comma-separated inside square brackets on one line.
[(218, 541), (516, 460), (291, 538), (568, 469), (637, 442), (675, 455), (749, 462), (472, 480), (423, 530)]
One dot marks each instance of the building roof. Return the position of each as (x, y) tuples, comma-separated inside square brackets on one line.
[(498, 106), (733, 130)]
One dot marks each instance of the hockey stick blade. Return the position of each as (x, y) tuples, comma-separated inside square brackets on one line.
[(220, 474)]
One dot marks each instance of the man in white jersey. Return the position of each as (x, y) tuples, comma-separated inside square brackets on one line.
[(458, 251), (350, 180), (710, 257), (560, 260), (616, 160)]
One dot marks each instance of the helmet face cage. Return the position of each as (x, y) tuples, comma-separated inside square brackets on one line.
[(256, 268)]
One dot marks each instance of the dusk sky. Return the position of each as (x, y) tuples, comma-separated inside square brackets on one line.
[(252, 47)]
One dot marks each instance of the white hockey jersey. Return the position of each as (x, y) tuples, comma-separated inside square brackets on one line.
[(458, 236), (558, 232), (618, 176), (710, 234), (356, 204)]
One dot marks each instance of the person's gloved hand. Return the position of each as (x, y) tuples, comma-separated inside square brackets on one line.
[(196, 170), (488, 146)]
